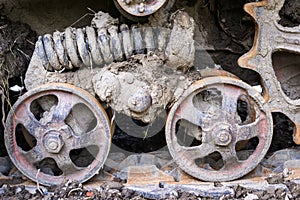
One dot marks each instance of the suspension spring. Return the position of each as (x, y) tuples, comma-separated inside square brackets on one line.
[(95, 47)]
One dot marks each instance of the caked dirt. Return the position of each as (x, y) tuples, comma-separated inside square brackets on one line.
[(16, 47), (224, 30)]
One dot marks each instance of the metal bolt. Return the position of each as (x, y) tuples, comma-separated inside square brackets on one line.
[(139, 101), (53, 142), (223, 138), (141, 7), (52, 145)]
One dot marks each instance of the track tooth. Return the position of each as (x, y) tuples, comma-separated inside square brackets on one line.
[(59, 49), (104, 43), (127, 41), (40, 51), (149, 39), (139, 46), (162, 35), (50, 52), (93, 46), (82, 46), (115, 43), (72, 48)]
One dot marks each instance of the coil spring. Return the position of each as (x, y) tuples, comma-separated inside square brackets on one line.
[(89, 46)]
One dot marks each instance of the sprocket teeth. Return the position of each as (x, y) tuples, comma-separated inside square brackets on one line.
[(270, 37)]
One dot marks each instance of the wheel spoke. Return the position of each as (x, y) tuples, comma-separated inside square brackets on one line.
[(26, 118), (230, 96), (189, 112), (229, 157), (65, 104), (95, 137), (248, 131), (256, 128), (35, 155), (195, 152), (65, 164)]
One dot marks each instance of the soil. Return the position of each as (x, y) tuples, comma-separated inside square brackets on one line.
[(17, 45), (290, 13), (230, 32)]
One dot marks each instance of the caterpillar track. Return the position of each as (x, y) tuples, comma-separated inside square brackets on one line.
[(143, 74)]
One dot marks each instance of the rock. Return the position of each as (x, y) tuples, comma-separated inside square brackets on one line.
[(5, 165), (251, 197)]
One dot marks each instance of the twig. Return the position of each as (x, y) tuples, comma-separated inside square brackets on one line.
[(22, 52), (91, 10), (4, 26), (3, 108), (81, 18), (113, 118), (11, 46), (37, 182), (73, 190), (30, 42)]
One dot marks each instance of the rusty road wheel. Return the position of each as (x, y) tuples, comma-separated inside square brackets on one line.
[(137, 10), (209, 123), (58, 132)]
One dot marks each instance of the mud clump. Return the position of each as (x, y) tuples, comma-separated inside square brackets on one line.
[(16, 47)]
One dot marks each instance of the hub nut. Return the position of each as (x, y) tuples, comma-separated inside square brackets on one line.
[(139, 101), (223, 138), (53, 142)]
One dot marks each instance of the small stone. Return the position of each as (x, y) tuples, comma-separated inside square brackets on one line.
[(5, 165), (285, 172), (251, 197), (161, 185)]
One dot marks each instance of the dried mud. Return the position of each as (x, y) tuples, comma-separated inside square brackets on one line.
[(229, 35)]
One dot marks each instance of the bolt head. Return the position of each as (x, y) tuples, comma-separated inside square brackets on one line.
[(141, 7), (53, 145), (140, 101), (128, 1), (223, 138), (53, 142)]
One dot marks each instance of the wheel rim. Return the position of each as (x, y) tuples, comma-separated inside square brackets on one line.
[(140, 9), (210, 115), (52, 129)]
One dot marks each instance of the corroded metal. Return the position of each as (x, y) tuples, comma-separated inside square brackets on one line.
[(272, 37), (76, 121), (140, 8), (101, 43), (217, 126)]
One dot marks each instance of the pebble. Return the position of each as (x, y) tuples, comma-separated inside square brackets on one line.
[(5, 165), (251, 197)]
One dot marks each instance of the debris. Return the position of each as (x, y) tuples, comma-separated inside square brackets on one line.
[(251, 197)]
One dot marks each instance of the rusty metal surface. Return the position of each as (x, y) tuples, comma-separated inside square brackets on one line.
[(207, 111), (272, 37), (77, 121), (216, 125), (140, 8)]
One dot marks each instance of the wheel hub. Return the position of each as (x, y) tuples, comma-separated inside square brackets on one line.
[(53, 142), (140, 7), (222, 134), (223, 138)]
